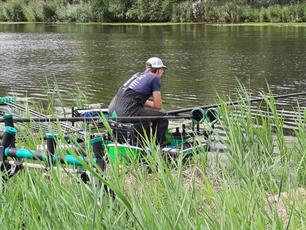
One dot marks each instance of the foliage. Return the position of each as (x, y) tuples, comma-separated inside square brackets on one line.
[(201, 193), (100, 9), (150, 11), (118, 10), (48, 12), (182, 12), (220, 11), (75, 13), (249, 14), (33, 13), (14, 12)]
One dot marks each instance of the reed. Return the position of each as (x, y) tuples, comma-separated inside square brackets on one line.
[(257, 188), (141, 11)]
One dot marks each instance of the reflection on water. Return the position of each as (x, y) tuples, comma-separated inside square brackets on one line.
[(202, 60)]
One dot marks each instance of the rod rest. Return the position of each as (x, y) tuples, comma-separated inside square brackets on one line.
[(69, 159), (8, 149), (8, 140)]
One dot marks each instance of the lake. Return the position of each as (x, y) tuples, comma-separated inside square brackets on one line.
[(202, 60)]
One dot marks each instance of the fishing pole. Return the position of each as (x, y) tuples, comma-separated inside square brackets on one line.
[(197, 113), (183, 110), (98, 118), (40, 115)]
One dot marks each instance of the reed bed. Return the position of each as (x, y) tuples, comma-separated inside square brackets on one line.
[(255, 189), (141, 11)]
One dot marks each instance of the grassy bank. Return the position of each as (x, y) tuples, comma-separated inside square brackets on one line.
[(281, 24), (289, 24), (210, 11), (256, 189)]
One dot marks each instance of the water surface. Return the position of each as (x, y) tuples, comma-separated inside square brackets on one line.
[(202, 60)]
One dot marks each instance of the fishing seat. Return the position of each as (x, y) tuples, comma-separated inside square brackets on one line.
[(132, 133)]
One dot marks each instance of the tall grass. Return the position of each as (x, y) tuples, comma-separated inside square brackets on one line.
[(76, 13), (13, 12), (150, 11), (256, 189)]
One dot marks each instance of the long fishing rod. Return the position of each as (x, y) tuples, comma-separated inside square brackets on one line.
[(196, 113), (42, 116), (76, 119), (183, 110)]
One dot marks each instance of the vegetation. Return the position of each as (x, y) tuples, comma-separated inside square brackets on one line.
[(214, 11), (255, 189)]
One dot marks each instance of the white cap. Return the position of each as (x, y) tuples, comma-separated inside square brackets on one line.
[(155, 62)]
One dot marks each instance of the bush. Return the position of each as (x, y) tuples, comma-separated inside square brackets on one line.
[(275, 13), (249, 14), (166, 10), (41, 12), (301, 13), (230, 12), (100, 10), (292, 14), (264, 15), (182, 12), (14, 12), (209, 12), (49, 12), (75, 13), (33, 13), (304, 12), (224, 11), (117, 10), (150, 11), (285, 14), (2, 15)]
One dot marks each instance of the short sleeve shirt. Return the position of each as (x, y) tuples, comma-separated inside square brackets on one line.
[(146, 83)]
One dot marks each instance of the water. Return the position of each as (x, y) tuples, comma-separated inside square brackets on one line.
[(202, 60)]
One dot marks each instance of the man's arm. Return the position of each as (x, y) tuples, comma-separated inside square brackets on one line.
[(156, 102)]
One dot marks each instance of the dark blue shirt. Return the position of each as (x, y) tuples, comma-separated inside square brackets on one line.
[(132, 96), (145, 83)]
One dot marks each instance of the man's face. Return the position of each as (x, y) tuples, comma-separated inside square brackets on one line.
[(160, 72)]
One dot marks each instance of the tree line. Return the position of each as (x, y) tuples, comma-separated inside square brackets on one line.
[(211, 11)]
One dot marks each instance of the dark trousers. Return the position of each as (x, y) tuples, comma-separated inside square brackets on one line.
[(159, 125), (126, 105)]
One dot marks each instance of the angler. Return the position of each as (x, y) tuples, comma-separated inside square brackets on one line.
[(119, 141), (132, 98)]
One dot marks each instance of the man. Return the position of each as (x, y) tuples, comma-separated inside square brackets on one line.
[(133, 97)]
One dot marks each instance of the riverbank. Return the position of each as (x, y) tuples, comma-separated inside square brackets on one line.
[(157, 11), (257, 189), (278, 24)]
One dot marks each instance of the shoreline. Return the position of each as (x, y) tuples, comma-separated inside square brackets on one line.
[(278, 24)]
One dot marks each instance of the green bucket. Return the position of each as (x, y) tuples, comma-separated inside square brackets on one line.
[(123, 153)]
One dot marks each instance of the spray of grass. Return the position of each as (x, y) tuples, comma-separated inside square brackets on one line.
[(257, 189), (138, 11)]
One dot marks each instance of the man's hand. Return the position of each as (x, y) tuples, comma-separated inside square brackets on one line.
[(156, 102)]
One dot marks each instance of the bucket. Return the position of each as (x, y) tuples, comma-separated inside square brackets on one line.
[(123, 153)]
